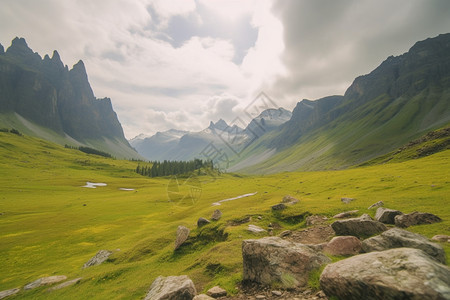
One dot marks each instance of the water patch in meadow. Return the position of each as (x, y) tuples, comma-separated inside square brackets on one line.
[(234, 198), (126, 189), (93, 185)]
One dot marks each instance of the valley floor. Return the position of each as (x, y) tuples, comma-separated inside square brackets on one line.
[(51, 225)]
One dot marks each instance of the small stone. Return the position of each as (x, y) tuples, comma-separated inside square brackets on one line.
[(182, 235), (375, 205), (346, 214), (346, 200), (260, 297), (259, 218), (65, 284), (202, 222), (217, 214), (217, 292), (441, 238), (98, 259), (280, 206), (4, 294), (277, 293), (45, 281), (255, 229)]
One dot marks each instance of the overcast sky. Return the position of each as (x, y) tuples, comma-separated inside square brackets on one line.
[(182, 63)]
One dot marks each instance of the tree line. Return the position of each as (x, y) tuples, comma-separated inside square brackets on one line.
[(167, 168), (89, 150)]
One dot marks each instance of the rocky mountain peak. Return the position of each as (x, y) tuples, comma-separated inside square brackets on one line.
[(221, 125)]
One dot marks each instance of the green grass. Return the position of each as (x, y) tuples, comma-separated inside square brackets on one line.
[(51, 225)]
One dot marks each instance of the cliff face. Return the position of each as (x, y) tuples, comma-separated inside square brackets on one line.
[(47, 93)]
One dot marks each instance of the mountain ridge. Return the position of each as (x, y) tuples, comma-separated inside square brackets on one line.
[(403, 98), (52, 98)]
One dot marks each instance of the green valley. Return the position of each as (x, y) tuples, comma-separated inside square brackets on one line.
[(51, 225)]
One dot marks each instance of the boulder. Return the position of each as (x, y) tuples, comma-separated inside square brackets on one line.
[(441, 238), (45, 281), (397, 238), (346, 214), (217, 292), (98, 259), (255, 229), (359, 227), (343, 245), (272, 260), (346, 200), (402, 273), (217, 214), (375, 205), (202, 222), (280, 206), (65, 284), (203, 297), (182, 235), (171, 288), (386, 215), (416, 218), (7, 293)]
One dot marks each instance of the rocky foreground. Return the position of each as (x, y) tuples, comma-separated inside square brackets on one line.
[(383, 262)]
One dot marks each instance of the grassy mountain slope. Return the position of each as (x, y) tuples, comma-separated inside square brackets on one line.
[(51, 225), (404, 98)]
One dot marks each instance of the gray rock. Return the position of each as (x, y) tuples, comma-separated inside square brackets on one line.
[(202, 222), (397, 238), (375, 205), (346, 214), (217, 214), (386, 215), (343, 245), (65, 284), (171, 288), (402, 273), (255, 229), (203, 297), (280, 206), (272, 260), (216, 292), (416, 218), (441, 238), (360, 227), (4, 294), (277, 293), (44, 281), (98, 259), (346, 200), (182, 235)]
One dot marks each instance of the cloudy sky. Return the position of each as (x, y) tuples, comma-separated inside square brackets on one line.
[(182, 63)]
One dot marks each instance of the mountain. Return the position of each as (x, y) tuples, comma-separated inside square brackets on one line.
[(402, 99), (218, 137), (43, 98)]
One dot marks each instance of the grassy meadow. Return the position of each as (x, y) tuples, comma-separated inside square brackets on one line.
[(51, 225)]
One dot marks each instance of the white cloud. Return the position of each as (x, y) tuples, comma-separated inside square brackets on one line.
[(302, 49)]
